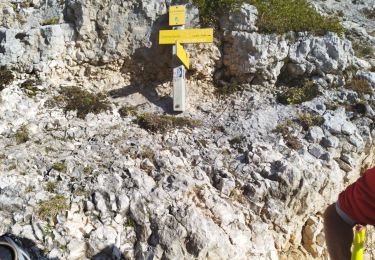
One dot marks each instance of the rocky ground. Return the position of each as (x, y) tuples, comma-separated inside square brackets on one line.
[(243, 176)]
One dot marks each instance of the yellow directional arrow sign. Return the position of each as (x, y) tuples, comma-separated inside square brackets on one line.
[(182, 55), (186, 36), (177, 15)]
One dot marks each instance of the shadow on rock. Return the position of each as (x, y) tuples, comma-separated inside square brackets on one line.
[(35, 253), (109, 253), (149, 67), (28, 246)]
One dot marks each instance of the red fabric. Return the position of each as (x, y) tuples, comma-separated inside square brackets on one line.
[(358, 200)]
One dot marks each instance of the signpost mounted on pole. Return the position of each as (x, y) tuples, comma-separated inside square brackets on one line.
[(178, 36)]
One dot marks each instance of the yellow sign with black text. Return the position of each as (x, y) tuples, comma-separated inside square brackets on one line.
[(177, 15), (182, 55), (186, 36)]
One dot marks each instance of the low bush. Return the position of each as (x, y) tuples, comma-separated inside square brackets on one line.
[(363, 50), (308, 120), (60, 167), (298, 95), (361, 86), (22, 135), (162, 124), (50, 208), (275, 16), (6, 78), (82, 101), (291, 141), (282, 16), (127, 111), (51, 21), (369, 13), (29, 87)]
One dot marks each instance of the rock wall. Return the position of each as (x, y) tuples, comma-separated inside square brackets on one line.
[(231, 188)]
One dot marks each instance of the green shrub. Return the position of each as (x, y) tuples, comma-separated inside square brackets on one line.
[(6, 77), (211, 10), (162, 124), (60, 167), (29, 87), (308, 120), (29, 189), (22, 135), (227, 90), (275, 16), (147, 153), (51, 21), (127, 111), (369, 13), (298, 95), (290, 140), (82, 101), (363, 50), (282, 16), (50, 186), (361, 86), (50, 208)]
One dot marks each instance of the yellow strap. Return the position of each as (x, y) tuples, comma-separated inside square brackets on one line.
[(358, 243)]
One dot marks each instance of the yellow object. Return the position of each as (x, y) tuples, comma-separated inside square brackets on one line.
[(186, 36), (358, 243), (182, 55), (177, 15)]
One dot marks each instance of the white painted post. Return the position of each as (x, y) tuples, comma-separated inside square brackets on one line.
[(179, 89), (179, 85)]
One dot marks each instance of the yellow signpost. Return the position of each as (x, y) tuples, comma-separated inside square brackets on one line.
[(177, 36), (182, 55), (186, 36), (177, 15)]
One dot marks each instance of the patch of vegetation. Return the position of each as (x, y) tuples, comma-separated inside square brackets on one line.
[(275, 16), (22, 135), (298, 95), (130, 222), (308, 120), (60, 167), (361, 86), (331, 105), (147, 153), (50, 208), (235, 141), (350, 71), (369, 13), (82, 101), (29, 87), (21, 19), (291, 141), (203, 142), (87, 170), (282, 16), (227, 89), (127, 111), (27, 4), (51, 21), (29, 189), (363, 50), (50, 186), (12, 167), (48, 230), (210, 11), (6, 78), (160, 123)]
